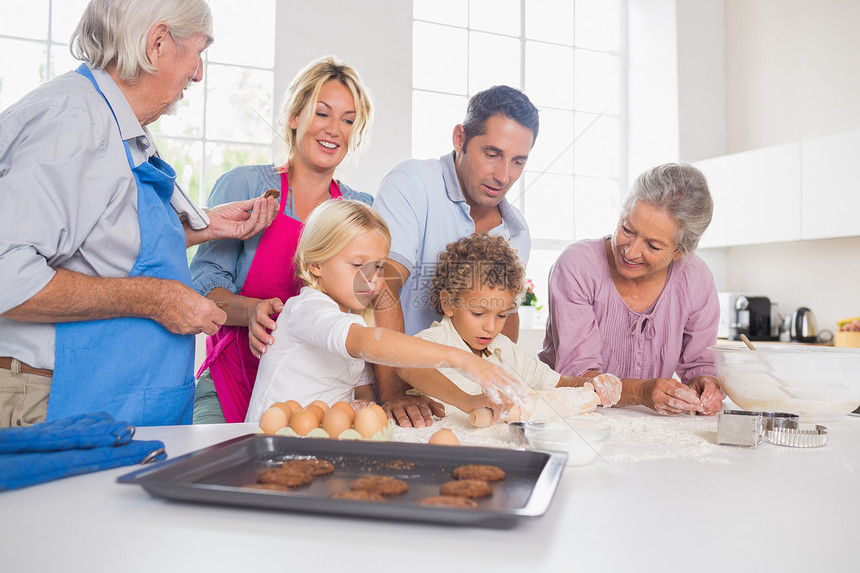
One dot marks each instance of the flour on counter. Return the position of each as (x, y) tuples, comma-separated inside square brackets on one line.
[(636, 436), (495, 436)]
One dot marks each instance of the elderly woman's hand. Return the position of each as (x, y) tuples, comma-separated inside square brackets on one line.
[(669, 397), (607, 387), (710, 394)]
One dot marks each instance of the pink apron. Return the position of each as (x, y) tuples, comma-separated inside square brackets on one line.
[(272, 274)]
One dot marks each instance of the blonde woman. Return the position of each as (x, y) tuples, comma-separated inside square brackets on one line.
[(326, 115), (325, 335)]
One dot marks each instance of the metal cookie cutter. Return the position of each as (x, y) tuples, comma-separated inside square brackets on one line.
[(771, 420), (788, 432), (517, 433), (738, 428)]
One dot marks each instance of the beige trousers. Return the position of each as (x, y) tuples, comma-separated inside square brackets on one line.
[(23, 397)]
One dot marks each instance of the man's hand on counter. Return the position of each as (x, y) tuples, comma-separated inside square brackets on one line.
[(413, 411)]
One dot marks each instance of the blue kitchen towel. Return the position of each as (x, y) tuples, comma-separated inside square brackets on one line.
[(79, 444)]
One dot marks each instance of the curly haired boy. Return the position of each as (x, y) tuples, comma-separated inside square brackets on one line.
[(477, 284)]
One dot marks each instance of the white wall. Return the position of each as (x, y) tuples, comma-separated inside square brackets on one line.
[(822, 275), (676, 83), (375, 37), (792, 72), (652, 85)]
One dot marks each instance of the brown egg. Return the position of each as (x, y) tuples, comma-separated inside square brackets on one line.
[(286, 409), (367, 422), (293, 405), (380, 413), (444, 437), (317, 411), (322, 405), (335, 421), (273, 420), (346, 408), (304, 421)]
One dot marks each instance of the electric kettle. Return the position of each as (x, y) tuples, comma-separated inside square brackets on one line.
[(802, 328)]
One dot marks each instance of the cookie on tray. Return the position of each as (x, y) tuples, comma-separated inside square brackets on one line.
[(288, 478), (450, 501), (358, 495), (315, 466), (474, 488), (482, 472), (382, 485)]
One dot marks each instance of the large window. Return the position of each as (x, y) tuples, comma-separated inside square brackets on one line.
[(226, 121), (566, 55)]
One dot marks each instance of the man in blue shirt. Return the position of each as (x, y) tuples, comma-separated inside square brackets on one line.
[(430, 203)]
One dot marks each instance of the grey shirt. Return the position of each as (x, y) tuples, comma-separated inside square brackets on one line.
[(68, 198)]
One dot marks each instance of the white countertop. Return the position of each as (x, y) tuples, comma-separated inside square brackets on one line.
[(664, 497)]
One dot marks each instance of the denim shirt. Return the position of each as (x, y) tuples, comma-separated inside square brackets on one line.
[(226, 263)]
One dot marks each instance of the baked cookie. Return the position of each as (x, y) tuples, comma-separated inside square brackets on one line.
[(271, 193), (358, 495), (450, 501), (315, 466), (280, 476), (474, 488), (482, 472), (382, 485)]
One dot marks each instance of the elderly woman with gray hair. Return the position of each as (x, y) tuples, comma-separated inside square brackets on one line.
[(640, 304)]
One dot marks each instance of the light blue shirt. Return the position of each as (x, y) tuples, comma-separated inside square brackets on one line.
[(226, 263), (424, 206)]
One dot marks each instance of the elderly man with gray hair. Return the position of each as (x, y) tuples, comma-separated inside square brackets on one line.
[(96, 306)]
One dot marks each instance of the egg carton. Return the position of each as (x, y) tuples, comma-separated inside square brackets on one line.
[(382, 435)]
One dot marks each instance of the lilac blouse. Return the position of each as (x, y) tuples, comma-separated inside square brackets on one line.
[(590, 327)]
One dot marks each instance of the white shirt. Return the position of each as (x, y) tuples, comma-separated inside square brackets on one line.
[(501, 351), (308, 360)]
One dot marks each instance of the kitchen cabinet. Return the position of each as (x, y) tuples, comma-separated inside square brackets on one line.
[(831, 189), (757, 196), (796, 191)]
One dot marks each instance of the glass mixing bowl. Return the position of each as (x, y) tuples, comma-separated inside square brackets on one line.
[(582, 439), (818, 383)]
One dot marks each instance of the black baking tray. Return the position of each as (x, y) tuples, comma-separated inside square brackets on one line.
[(221, 473)]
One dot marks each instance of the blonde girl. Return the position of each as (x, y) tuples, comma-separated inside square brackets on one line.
[(325, 336)]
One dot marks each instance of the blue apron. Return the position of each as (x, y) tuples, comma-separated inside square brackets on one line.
[(133, 368)]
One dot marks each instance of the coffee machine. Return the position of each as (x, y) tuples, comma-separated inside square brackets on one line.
[(752, 318)]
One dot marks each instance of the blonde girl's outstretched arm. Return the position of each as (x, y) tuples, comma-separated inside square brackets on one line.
[(383, 346), (433, 383)]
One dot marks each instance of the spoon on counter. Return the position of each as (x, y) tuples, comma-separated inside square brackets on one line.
[(769, 369)]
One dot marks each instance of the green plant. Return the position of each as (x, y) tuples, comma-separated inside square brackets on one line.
[(530, 298)]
